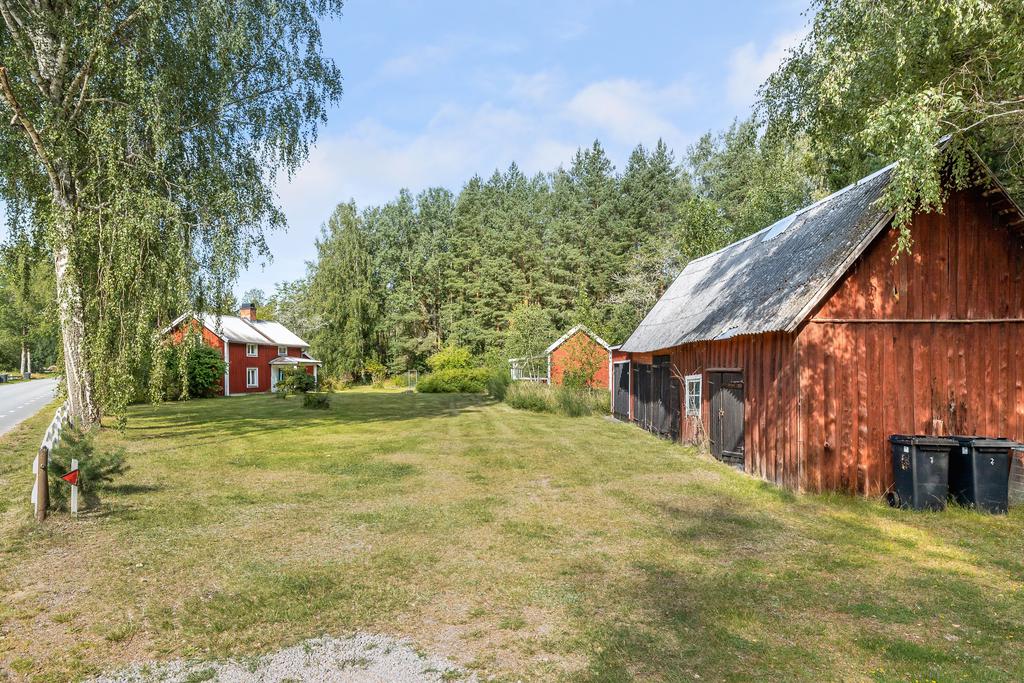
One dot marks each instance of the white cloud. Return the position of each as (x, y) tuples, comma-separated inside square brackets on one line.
[(749, 67), (418, 60), (631, 111)]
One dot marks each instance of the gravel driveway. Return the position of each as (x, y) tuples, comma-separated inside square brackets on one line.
[(361, 657)]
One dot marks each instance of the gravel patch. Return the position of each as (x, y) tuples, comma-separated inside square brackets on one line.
[(362, 657)]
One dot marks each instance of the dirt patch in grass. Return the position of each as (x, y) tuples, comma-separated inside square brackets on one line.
[(520, 545)]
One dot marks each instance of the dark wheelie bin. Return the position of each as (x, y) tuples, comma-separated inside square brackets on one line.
[(920, 466), (979, 473)]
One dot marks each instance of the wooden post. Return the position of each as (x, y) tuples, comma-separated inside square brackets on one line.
[(74, 489), (42, 490)]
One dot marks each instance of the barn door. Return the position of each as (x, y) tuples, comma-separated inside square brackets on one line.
[(621, 389), (727, 417)]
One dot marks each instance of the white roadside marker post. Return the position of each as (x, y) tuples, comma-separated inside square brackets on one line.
[(74, 490)]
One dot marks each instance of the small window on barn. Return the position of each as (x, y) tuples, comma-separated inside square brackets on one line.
[(693, 395), (251, 350), (282, 350), (252, 377)]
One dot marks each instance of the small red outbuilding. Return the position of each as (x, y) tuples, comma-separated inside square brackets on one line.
[(578, 350)]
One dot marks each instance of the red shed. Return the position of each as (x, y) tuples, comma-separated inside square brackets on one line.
[(579, 349), (256, 351), (795, 352)]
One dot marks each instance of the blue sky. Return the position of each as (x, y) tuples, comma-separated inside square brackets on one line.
[(438, 91)]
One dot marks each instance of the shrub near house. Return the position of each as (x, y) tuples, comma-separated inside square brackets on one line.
[(453, 371)]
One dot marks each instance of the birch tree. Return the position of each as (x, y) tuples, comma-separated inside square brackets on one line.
[(144, 140)]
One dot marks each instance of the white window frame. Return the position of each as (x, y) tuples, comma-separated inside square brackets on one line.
[(282, 350), (252, 350), (252, 372), (698, 382)]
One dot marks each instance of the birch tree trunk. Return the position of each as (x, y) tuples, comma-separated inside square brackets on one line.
[(77, 375)]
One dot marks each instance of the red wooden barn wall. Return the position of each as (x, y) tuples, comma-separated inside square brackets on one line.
[(577, 349), (929, 343)]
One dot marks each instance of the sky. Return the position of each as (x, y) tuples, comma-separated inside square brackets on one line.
[(438, 91)]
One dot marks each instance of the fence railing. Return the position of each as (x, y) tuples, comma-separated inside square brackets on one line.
[(40, 490)]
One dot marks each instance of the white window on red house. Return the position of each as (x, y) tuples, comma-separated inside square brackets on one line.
[(282, 350), (252, 377), (693, 395), (252, 350)]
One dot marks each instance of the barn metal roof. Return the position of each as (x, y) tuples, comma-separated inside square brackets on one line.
[(769, 281)]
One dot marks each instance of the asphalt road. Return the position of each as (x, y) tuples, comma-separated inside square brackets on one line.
[(22, 400)]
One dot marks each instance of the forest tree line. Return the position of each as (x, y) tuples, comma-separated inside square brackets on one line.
[(510, 261)]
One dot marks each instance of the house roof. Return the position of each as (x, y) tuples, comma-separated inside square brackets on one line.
[(277, 333), (769, 281), (304, 359), (239, 330), (578, 328)]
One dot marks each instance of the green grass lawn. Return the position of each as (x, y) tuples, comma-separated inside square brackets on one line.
[(525, 546)]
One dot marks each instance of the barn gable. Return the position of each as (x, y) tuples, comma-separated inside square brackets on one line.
[(771, 280)]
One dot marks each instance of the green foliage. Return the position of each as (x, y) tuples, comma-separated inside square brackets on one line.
[(295, 381), (451, 357), (510, 262), (877, 81), (97, 469), (561, 400), (204, 369), (147, 139), (498, 382), (377, 371), (316, 400), (455, 381)]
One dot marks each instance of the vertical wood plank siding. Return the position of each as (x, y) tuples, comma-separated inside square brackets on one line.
[(929, 344)]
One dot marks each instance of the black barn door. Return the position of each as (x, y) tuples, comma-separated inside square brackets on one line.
[(621, 403), (727, 417)]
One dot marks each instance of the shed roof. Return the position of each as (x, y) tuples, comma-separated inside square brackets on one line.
[(568, 335), (769, 281)]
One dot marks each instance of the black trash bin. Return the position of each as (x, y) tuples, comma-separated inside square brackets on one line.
[(979, 473), (920, 466)]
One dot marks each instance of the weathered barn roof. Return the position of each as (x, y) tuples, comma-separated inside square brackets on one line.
[(769, 281)]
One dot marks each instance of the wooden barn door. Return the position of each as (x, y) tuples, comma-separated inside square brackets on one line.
[(621, 389), (727, 416)]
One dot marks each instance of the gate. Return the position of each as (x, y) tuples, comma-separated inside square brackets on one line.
[(620, 405), (727, 417), (657, 398)]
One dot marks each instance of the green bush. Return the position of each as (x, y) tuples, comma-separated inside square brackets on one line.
[(316, 400), (568, 401), (96, 470), (296, 381), (498, 381), (451, 358), (204, 368), (377, 371), (454, 381)]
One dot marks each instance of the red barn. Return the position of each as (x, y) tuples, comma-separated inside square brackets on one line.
[(257, 352), (577, 350), (794, 353)]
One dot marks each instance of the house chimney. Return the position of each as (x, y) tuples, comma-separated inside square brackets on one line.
[(247, 312)]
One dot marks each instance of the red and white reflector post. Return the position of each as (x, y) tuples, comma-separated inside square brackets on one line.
[(72, 478)]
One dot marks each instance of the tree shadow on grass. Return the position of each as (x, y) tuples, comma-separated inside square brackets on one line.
[(222, 420)]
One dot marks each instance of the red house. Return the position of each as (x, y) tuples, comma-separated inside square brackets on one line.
[(577, 349), (257, 352), (795, 352)]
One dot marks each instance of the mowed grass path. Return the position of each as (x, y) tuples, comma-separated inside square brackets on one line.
[(524, 546)]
